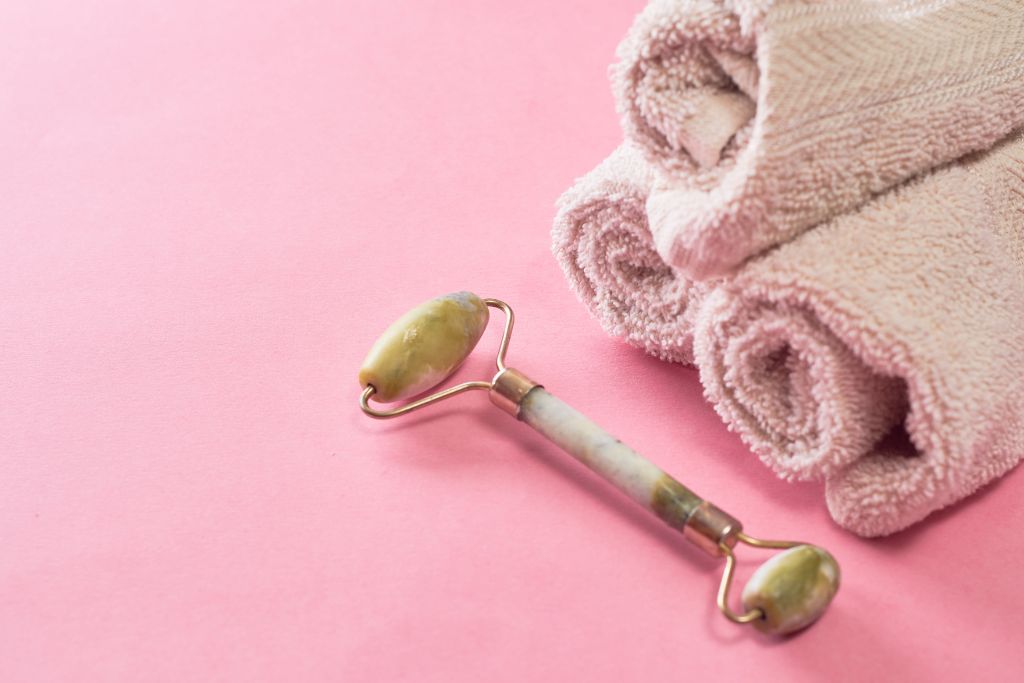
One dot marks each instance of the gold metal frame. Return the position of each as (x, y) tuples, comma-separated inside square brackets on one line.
[(730, 570)]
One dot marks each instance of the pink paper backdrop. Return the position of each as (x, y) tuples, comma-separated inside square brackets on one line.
[(210, 209)]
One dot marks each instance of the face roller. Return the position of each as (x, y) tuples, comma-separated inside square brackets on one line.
[(423, 347)]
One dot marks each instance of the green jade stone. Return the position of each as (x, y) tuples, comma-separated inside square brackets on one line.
[(424, 346), (792, 589)]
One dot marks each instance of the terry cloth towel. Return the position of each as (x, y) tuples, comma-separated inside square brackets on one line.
[(603, 243), (811, 350), (767, 117)]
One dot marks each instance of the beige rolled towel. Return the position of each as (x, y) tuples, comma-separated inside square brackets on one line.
[(603, 243), (918, 298), (767, 117)]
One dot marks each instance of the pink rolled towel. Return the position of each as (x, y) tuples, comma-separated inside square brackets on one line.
[(767, 117), (916, 297), (603, 243)]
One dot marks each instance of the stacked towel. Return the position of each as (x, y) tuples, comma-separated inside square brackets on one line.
[(898, 314), (770, 116), (602, 240)]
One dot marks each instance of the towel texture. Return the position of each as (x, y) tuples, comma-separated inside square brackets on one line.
[(926, 305), (767, 117), (603, 243)]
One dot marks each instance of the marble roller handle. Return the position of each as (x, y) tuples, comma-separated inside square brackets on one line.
[(423, 347)]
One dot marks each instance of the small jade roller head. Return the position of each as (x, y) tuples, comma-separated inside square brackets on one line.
[(792, 589), (424, 346)]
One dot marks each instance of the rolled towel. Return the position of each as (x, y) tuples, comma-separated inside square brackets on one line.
[(766, 117), (811, 350), (603, 243), (803, 401)]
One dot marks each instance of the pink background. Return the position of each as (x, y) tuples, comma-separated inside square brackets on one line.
[(210, 209)]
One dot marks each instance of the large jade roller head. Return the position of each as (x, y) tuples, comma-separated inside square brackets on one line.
[(423, 347)]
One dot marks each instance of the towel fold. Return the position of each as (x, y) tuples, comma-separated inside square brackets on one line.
[(812, 351), (766, 117), (603, 243)]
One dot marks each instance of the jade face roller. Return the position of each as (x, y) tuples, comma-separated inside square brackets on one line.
[(423, 347)]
